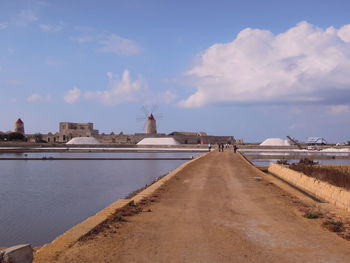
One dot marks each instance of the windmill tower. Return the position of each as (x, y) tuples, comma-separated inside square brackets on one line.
[(19, 126), (151, 125), (149, 119)]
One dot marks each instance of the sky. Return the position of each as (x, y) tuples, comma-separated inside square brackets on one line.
[(246, 68)]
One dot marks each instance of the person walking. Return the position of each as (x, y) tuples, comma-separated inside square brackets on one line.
[(235, 148), (209, 147)]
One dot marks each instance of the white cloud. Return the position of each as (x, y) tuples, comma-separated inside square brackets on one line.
[(167, 96), (72, 95), (3, 26), (164, 97), (84, 39), (339, 109), (119, 90), (25, 17), (305, 64), (38, 98), (52, 28), (119, 46)]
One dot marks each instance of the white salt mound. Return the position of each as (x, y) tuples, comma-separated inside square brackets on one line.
[(346, 150), (83, 140), (275, 142), (158, 141)]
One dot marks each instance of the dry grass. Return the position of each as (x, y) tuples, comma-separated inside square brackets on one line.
[(336, 176)]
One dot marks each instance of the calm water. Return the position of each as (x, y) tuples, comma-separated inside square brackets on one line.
[(39, 200)]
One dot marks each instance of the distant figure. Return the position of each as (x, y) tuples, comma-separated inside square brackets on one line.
[(235, 148), (209, 147), (221, 147)]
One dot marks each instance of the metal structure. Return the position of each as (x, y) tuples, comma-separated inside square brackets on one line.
[(296, 142)]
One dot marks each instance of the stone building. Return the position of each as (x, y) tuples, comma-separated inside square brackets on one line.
[(19, 127), (201, 138), (122, 138), (69, 130)]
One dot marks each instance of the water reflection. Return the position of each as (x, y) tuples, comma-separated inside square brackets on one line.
[(41, 199)]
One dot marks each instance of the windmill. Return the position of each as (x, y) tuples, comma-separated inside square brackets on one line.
[(149, 118)]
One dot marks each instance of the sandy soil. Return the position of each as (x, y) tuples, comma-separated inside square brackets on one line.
[(215, 210)]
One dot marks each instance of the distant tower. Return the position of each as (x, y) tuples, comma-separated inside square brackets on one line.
[(19, 126), (151, 126)]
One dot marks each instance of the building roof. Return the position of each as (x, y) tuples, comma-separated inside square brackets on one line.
[(19, 121)]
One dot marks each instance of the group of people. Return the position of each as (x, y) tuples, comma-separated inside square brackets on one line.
[(221, 147)]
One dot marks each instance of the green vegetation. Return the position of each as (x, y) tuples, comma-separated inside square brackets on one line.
[(312, 215), (12, 136), (283, 162)]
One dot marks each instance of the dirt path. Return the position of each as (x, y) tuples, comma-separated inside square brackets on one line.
[(215, 211)]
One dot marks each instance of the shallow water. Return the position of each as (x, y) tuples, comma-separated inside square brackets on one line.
[(40, 200)]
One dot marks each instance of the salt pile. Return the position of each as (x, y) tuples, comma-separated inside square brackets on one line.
[(158, 141), (346, 150), (275, 142), (83, 140)]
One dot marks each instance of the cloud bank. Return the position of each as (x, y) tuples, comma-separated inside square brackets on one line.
[(24, 18), (72, 95), (119, 90), (52, 28), (119, 46), (305, 64), (35, 97)]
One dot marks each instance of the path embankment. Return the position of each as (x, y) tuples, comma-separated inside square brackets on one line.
[(338, 196), (218, 209)]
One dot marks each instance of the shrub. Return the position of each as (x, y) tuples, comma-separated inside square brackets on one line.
[(283, 162), (312, 215)]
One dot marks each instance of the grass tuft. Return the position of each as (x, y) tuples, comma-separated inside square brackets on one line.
[(334, 226), (312, 215)]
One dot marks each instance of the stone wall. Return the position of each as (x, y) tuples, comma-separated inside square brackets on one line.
[(338, 196)]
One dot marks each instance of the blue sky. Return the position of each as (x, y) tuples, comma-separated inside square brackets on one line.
[(252, 69)]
